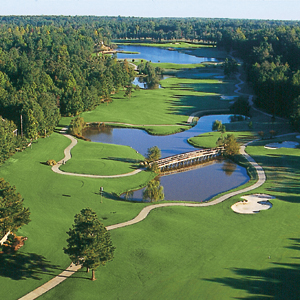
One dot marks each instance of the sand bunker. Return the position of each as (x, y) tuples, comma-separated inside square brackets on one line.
[(286, 144), (253, 204), (228, 97)]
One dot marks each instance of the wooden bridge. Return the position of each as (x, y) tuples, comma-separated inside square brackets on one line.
[(187, 159)]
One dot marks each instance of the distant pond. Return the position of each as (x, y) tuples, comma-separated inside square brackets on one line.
[(160, 55)]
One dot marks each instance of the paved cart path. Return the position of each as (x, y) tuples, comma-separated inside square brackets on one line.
[(141, 216), (146, 210)]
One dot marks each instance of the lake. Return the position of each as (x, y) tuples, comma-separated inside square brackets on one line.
[(160, 55)]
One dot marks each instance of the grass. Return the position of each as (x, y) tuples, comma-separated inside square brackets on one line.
[(170, 45), (209, 139), (53, 200), (109, 159), (219, 254), (170, 105), (176, 252)]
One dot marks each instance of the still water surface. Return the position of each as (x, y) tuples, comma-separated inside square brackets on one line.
[(160, 55), (200, 184)]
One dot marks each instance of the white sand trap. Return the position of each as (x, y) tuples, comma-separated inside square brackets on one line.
[(228, 97), (219, 77), (286, 144), (253, 204)]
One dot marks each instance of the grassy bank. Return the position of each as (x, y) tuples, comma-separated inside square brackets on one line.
[(219, 254)]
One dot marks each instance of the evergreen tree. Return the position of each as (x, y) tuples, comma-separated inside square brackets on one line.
[(89, 242)]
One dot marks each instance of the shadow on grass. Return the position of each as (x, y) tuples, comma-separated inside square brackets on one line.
[(282, 174), (20, 266), (127, 160), (279, 282)]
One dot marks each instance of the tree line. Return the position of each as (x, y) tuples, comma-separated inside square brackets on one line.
[(47, 71)]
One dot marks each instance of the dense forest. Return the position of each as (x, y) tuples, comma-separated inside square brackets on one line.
[(49, 65)]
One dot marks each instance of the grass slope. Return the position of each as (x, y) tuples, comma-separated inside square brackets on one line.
[(53, 200)]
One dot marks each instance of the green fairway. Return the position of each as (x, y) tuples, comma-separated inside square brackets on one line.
[(219, 254), (176, 252), (209, 140), (53, 200), (102, 159), (170, 105), (169, 45)]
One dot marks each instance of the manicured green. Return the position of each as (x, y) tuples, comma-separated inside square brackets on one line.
[(102, 159), (170, 105), (53, 200), (208, 140), (176, 252), (170, 45), (219, 254)]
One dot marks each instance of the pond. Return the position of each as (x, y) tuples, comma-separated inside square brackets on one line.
[(140, 140), (160, 55), (199, 184)]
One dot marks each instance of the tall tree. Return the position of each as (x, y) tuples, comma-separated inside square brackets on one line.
[(231, 145), (13, 214), (154, 191), (153, 154), (89, 242)]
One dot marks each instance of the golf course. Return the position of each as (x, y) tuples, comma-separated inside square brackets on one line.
[(203, 251)]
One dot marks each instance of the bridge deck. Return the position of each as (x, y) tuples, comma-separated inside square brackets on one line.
[(175, 159)]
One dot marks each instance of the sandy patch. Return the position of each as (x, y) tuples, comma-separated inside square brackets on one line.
[(253, 204), (228, 97), (286, 144)]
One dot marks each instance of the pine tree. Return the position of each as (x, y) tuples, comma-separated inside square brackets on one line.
[(89, 242)]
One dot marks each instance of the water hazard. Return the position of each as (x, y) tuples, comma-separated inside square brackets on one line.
[(160, 55), (199, 184)]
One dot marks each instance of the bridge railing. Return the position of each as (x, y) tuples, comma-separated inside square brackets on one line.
[(187, 156)]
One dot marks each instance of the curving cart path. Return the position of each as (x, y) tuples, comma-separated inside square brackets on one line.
[(146, 210), (68, 156), (141, 216)]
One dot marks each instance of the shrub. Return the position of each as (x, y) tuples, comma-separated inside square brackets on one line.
[(51, 162)]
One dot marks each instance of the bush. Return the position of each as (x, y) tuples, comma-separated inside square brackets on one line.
[(51, 162)]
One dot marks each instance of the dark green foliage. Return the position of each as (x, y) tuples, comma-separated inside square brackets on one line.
[(13, 214), (152, 73), (77, 125), (9, 142), (89, 242), (48, 70), (240, 107), (218, 126), (230, 67)]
